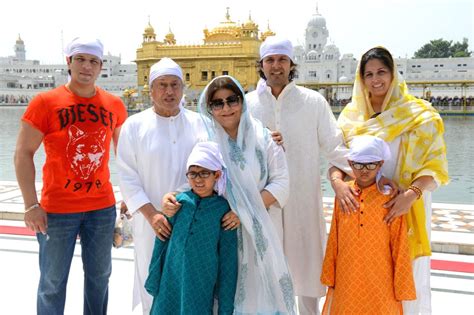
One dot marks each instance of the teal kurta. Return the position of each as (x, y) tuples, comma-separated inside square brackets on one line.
[(198, 263)]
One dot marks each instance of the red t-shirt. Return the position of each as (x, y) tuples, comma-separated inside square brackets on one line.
[(77, 135)]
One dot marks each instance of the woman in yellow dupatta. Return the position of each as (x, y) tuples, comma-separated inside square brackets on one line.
[(381, 106)]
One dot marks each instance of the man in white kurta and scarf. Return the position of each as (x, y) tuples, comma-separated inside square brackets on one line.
[(153, 148), (309, 129)]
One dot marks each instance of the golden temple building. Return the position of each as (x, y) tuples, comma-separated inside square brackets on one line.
[(229, 48)]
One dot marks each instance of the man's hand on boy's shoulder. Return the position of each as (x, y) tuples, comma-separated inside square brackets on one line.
[(345, 195), (157, 220)]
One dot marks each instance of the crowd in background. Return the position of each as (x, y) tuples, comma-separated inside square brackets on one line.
[(14, 99)]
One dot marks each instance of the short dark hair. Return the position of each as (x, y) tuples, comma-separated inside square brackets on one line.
[(291, 76), (378, 53), (70, 60), (222, 83)]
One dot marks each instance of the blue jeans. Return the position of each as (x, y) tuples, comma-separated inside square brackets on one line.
[(56, 249)]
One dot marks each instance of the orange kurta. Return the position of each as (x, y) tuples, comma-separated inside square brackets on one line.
[(367, 263)]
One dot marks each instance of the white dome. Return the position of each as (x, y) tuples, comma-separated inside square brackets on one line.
[(343, 79), (313, 55), (317, 21)]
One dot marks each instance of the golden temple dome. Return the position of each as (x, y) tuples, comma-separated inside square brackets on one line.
[(149, 33), (149, 30), (250, 24), (227, 25), (267, 33), (169, 38), (227, 30)]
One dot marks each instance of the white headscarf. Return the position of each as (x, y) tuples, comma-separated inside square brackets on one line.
[(264, 283), (166, 66), (368, 149), (81, 45), (207, 155), (275, 45)]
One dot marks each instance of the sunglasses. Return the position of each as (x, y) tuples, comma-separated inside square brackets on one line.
[(218, 104), (201, 174), (361, 166)]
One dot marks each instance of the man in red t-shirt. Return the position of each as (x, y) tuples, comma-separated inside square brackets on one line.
[(76, 123)]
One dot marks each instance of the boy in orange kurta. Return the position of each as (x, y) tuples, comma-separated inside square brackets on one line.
[(367, 265)]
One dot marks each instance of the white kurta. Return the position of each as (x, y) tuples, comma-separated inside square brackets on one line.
[(308, 128), (151, 158)]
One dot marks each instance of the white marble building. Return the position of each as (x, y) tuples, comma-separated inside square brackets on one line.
[(321, 62), (22, 77)]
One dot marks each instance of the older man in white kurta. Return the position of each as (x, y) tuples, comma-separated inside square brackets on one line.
[(309, 129), (152, 152)]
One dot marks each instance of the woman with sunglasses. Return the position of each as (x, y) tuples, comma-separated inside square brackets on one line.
[(258, 181), (381, 106)]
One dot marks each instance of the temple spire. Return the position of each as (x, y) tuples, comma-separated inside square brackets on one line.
[(227, 15)]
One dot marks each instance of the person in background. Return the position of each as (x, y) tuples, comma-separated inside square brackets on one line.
[(367, 265), (151, 158), (381, 106), (199, 262), (76, 123)]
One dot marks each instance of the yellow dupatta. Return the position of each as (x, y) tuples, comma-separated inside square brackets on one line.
[(422, 148)]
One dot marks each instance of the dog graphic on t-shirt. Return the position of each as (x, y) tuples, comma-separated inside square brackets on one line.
[(85, 151)]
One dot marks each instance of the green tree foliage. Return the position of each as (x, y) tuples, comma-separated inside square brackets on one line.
[(440, 48)]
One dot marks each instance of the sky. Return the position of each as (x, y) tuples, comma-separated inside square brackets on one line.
[(354, 26)]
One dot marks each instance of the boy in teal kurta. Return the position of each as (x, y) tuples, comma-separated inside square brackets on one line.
[(199, 262)]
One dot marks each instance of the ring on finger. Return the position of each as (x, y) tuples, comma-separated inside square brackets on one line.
[(159, 230)]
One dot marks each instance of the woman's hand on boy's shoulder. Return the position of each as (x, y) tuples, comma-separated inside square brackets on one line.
[(230, 221), (170, 205), (399, 205)]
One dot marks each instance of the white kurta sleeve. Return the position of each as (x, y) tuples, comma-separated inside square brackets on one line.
[(278, 182), (131, 185), (331, 138)]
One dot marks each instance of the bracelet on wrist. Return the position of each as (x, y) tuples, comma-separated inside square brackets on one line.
[(32, 207), (417, 191)]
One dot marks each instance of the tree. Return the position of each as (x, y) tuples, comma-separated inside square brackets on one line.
[(440, 48), (461, 49)]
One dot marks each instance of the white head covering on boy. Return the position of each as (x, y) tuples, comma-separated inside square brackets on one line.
[(207, 155), (370, 149)]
